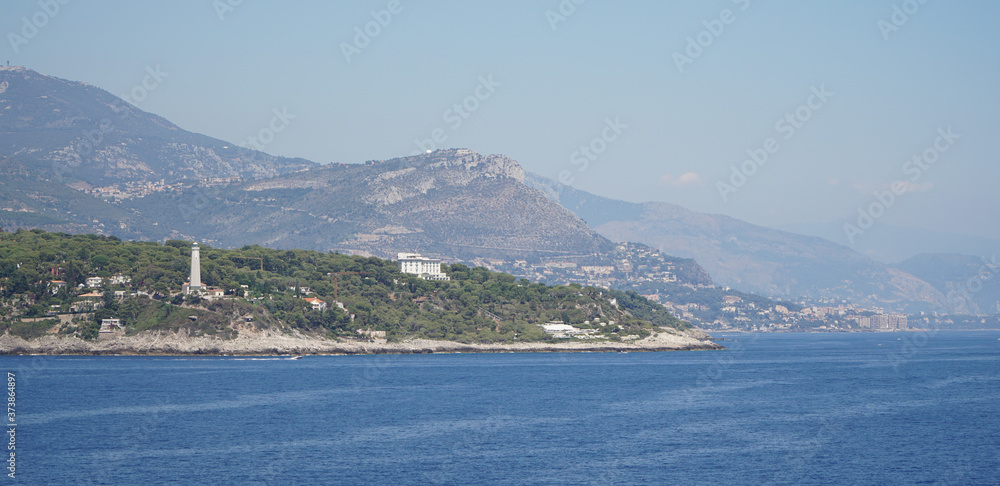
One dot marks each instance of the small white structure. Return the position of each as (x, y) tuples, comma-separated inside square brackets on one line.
[(212, 294), (94, 282), (110, 325), (120, 279), (558, 329), (426, 268)]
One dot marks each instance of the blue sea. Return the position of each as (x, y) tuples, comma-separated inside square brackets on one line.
[(879, 409)]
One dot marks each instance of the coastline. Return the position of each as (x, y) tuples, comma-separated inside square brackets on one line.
[(271, 343)]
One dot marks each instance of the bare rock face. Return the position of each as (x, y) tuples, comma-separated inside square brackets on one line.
[(441, 169), (452, 203), (274, 342)]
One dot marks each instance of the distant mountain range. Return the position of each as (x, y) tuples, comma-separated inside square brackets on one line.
[(75, 158), (970, 283), (749, 257), (890, 244)]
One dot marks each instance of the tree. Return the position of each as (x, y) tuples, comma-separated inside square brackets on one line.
[(100, 261)]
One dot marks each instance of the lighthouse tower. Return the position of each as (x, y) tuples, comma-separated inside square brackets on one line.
[(194, 285)]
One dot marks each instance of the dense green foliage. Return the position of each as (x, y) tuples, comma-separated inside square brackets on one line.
[(267, 288)]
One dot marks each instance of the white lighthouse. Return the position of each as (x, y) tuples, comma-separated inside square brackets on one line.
[(194, 284)]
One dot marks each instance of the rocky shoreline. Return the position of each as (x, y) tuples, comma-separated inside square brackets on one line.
[(272, 342)]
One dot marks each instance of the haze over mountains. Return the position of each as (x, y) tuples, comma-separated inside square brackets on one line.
[(892, 244), (76, 158), (745, 256)]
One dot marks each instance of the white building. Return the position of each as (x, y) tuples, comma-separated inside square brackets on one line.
[(558, 329), (317, 304), (94, 282), (426, 268), (110, 325)]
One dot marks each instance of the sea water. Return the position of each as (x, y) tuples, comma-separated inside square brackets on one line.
[(885, 408)]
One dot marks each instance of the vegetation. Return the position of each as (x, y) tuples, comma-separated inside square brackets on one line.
[(267, 288), (28, 329)]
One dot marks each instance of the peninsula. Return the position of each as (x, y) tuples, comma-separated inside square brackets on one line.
[(90, 294)]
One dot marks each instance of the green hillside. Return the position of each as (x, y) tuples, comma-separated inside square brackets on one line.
[(267, 288)]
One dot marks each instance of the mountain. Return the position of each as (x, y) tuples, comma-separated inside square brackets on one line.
[(76, 132), (450, 202), (968, 282), (749, 257)]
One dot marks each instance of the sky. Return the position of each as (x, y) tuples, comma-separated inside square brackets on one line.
[(776, 112)]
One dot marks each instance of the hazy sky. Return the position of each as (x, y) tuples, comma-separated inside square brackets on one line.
[(867, 84)]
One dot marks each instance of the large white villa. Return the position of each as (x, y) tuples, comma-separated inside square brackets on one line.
[(426, 268)]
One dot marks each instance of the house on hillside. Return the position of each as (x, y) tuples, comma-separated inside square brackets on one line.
[(110, 328), (94, 282), (317, 304), (88, 302), (56, 286), (110, 325)]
